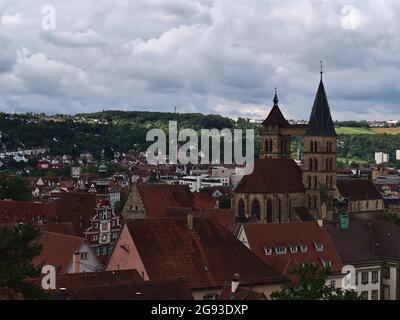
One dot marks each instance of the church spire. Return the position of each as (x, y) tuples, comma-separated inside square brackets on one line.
[(276, 99), (321, 123)]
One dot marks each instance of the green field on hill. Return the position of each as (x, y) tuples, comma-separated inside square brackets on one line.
[(357, 131)]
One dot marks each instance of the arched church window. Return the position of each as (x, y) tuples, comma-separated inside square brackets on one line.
[(309, 182), (315, 202), (310, 164), (269, 211), (255, 209), (241, 209), (315, 182), (316, 164)]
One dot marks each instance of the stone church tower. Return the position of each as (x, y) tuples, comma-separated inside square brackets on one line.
[(275, 143), (319, 157)]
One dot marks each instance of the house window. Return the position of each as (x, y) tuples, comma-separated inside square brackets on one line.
[(386, 272), (281, 250), (210, 296), (374, 295), (364, 295), (375, 275), (333, 284), (303, 248), (364, 278), (327, 263), (95, 237), (268, 251), (104, 226), (103, 251), (84, 255), (293, 249), (115, 235), (319, 246)]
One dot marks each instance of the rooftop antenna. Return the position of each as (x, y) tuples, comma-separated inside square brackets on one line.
[(175, 109)]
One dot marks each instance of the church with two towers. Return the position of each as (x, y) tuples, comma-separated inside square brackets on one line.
[(280, 190)]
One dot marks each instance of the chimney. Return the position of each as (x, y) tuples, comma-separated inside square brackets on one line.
[(320, 223), (323, 211), (62, 294), (76, 261), (190, 221), (234, 285)]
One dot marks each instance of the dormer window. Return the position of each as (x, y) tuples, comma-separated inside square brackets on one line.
[(280, 250), (303, 248), (268, 251), (319, 246), (327, 263), (293, 248)]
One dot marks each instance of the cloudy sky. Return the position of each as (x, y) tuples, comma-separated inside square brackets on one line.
[(211, 56)]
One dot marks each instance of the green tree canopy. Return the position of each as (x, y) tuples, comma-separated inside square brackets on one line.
[(13, 187), (312, 286), (17, 250)]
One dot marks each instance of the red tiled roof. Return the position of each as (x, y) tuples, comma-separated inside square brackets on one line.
[(63, 228), (358, 189), (157, 198), (203, 201), (164, 289), (272, 176), (90, 279), (76, 208), (57, 250), (207, 256), (293, 233), (240, 294), (23, 211)]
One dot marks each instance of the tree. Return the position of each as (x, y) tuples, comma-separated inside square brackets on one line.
[(12, 187), (119, 205), (312, 286), (17, 250)]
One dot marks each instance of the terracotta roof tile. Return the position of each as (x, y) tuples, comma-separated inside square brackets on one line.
[(158, 198), (57, 250), (207, 256), (358, 189), (23, 211), (240, 294), (262, 236), (272, 176)]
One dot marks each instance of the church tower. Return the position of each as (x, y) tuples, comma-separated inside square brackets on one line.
[(275, 144), (319, 157)]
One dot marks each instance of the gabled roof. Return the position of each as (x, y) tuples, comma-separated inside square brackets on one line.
[(157, 198), (207, 256), (367, 241), (165, 289), (358, 189), (57, 250), (272, 176), (269, 236), (204, 201), (320, 123)]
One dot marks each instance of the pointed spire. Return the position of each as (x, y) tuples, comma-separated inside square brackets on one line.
[(322, 68), (321, 123), (275, 116), (276, 99)]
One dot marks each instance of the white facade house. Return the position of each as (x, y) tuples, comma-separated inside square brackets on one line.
[(196, 183), (381, 157)]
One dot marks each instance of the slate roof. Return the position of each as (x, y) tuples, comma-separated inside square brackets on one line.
[(321, 123), (207, 256), (272, 176)]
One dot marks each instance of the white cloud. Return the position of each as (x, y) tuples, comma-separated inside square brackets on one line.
[(217, 56)]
